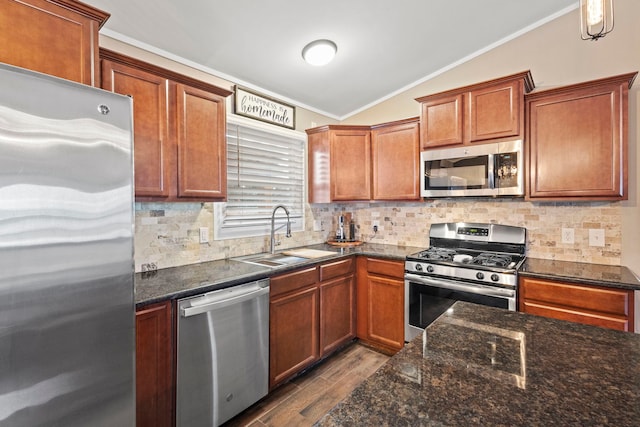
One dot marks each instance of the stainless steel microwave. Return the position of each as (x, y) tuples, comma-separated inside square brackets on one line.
[(494, 170)]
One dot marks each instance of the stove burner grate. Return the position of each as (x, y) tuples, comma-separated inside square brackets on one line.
[(438, 254), (492, 260)]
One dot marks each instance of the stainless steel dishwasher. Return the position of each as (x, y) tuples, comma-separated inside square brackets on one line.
[(223, 353)]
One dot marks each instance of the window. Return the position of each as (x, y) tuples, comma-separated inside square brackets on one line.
[(265, 168)]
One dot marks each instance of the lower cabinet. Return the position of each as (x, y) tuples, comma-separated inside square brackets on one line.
[(592, 305), (293, 325), (154, 366), (312, 313), (380, 303)]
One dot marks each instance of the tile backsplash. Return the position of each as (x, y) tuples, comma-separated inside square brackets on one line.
[(167, 234)]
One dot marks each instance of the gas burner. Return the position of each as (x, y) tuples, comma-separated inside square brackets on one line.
[(438, 254), (488, 259)]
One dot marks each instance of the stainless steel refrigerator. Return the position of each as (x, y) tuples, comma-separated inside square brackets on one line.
[(67, 318)]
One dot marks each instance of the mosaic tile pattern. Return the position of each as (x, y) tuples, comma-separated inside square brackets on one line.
[(167, 233)]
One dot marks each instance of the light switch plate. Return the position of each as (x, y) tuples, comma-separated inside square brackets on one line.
[(568, 236), (204, 234), (596, 237)]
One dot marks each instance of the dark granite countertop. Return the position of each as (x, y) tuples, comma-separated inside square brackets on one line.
[(492, 367), (615, 276), (188, 280)]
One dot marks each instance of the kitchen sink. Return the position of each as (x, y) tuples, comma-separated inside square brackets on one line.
[(286, 257), (272, 260)]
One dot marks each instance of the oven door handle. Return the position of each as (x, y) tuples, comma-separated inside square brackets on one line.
[(467, 287)]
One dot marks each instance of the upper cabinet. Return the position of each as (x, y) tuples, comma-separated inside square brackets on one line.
[(577, 139), (339, 163), (179, 130), (56, 37), (395, 149), (350, 163), (484, 112)]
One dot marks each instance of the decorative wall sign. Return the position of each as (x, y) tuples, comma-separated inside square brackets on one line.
[(260, 107)]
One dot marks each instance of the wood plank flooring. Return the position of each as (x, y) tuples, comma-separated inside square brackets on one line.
[(304, 400)]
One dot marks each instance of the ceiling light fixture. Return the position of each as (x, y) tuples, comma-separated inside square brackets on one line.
[(596, 18), (319, 52)]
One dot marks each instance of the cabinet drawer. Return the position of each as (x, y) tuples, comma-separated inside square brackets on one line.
[(385, 267), (292, 281), (336, 269), (600, 299)]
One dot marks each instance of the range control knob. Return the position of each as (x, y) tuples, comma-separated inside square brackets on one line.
[(429, 269), (479, 275), (418, 267), (495, 277)]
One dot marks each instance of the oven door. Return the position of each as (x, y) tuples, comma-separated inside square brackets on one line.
[(426, 298)]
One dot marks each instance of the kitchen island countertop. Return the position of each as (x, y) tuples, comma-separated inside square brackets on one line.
[(487, 366)]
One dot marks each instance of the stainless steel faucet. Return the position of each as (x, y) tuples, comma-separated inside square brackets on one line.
[(273, 229)]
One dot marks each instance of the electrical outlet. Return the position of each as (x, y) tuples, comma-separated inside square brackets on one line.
[(568, 236), (317, 225), (204, 234), (596, 237)]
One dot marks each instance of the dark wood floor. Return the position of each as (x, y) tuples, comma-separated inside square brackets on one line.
[(304, 400)]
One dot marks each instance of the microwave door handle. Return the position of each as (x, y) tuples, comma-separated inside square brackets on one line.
[(492, 173)]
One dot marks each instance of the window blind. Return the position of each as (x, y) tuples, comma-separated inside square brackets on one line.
[(264, 169)]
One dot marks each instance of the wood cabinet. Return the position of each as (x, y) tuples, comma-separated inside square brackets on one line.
[(592, 305), (577, 138), (380, 303), (312, 313), (56, 37), (293, 324), (339, 163), (154, 366), (351, 163), (395, 149), (337, 305), (179, 130), (480, 113)]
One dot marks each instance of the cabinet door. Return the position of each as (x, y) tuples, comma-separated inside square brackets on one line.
[(386, 311), (56, 39), (153, 147), (154, 378), (293, 333), (350, 165), (578, 143), (202, 147), (591, 305), (319, 172), (496, 112), (396, 161), (380, 303), (442, 122), (337, 313)]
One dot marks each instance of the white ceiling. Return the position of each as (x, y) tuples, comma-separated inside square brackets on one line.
[(384, 46)]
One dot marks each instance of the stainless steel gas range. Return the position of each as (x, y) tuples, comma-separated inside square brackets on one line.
[(470, 262)]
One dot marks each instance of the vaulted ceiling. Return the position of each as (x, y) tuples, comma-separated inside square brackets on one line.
[(384, 46)]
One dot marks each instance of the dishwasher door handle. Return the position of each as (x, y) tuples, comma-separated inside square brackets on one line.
[(220, 299)]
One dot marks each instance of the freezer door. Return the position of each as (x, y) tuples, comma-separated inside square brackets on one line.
[(66, 268)]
